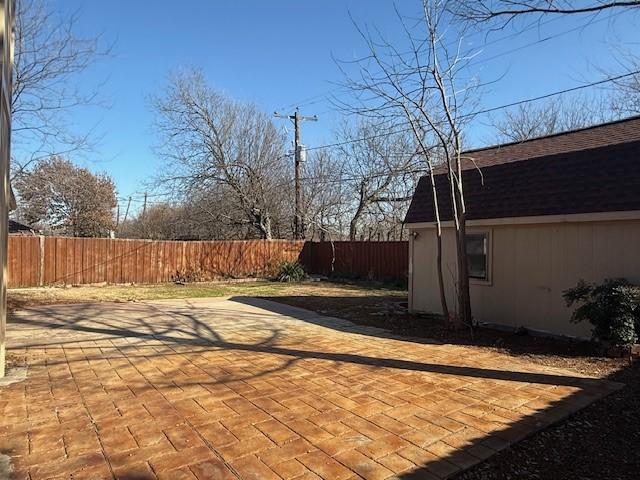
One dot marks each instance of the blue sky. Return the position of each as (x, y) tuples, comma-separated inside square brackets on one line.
[(279, 53)]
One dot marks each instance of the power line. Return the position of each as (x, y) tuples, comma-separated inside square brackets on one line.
[(487, 110), (536, 42), (326, 179), (408, 129), (543, 40), (321, 97)]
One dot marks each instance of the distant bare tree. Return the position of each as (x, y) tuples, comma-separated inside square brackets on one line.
[(214, 213), (49, 54), (379, 167), (625, 100), (161, 221), (213, 144), (537, 120), (62, 198), (326, 201)]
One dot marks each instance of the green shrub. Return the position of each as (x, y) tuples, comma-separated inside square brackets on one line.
[(613, 308), (291, 272)]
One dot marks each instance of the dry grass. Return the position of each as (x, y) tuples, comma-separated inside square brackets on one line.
[(25, 297)]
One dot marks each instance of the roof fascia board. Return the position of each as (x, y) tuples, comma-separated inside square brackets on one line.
[(538, 219)]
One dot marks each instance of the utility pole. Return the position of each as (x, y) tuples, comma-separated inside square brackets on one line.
[(144, 207), (298, 221), (126, 213), (115, 232)]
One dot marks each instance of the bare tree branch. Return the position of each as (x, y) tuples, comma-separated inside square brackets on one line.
[(506, 11), (378, 170), (420, 88), (49, 55), (556, 115), (214, 145)]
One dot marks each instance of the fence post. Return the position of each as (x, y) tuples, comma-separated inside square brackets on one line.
[(184, 257), (41, 270)]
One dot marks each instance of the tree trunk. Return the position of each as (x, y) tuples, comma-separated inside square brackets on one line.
[(352, 229), (459, 217), (267, 229), (443, 296), (264, 225), (464, 300), (353, 224)]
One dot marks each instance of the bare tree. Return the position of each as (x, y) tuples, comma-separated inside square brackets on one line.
[(531, 120), (61, 197), (505, 11), (380, 168), (420, 90), (49, 54), (161, 221), (326, 201), (214, 144), (625, 100)]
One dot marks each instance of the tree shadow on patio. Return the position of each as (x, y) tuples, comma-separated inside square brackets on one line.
[(389, 313), (191, 329)]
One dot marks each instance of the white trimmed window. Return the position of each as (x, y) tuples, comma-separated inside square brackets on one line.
[(478, 255)]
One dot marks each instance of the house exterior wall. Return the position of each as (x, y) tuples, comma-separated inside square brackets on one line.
[(6, 45), (530, 264)]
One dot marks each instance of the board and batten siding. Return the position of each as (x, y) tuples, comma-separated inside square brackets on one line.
[(530, 265)]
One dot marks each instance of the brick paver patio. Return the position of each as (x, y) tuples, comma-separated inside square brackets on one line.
[(223, 389)]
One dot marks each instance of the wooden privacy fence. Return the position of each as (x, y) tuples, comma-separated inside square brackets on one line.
[(38, 261), (366, 260)]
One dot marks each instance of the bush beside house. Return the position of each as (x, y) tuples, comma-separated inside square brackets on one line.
[(613, 308)]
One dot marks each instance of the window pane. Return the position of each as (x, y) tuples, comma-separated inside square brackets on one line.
[(477, 255)]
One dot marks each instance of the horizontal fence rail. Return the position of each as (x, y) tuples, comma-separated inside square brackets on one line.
[(38, 260)]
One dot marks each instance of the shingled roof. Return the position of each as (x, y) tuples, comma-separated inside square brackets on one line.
[(20, 228), (595, 169)]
